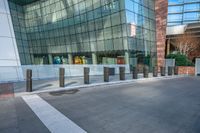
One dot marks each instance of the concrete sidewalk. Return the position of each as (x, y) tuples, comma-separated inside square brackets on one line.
[(49, 84), (6, 90), (17, 117)]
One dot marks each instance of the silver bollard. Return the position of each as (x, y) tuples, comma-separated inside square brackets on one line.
[(176, 70), (86, 75), (170, 70), (135, 73), (155, 71), (146, 71), (162, 71), (62, 77), (106, 74), (28, 80), (122, 73)]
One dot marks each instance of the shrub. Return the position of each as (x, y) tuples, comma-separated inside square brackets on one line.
[(181, 60)]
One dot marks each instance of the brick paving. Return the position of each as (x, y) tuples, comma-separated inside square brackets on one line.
[(6, 90)]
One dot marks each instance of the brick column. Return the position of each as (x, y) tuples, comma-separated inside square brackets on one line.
[(161, 8)]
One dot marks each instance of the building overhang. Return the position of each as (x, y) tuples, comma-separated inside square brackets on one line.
[(176, 30), (193, 29)]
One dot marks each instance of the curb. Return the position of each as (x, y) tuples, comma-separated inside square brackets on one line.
[(113, 83)]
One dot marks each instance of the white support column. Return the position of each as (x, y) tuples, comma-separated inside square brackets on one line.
[(50, 58), (32, 59), (70, 59), (9, 55), (94, 58), (127, 57)]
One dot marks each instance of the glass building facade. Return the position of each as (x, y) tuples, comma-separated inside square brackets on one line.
[(85, 31), (183, 12)]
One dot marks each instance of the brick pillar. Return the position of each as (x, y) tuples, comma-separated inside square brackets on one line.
[(161, 8)]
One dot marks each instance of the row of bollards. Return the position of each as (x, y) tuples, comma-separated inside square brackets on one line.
[(107, 73), (171, 71)]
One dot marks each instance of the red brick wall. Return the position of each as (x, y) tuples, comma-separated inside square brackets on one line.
[(161, 7), (186, 70)]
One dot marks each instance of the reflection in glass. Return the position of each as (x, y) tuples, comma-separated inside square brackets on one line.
[(63, 28)]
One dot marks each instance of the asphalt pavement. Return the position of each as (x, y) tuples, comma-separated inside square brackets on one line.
[(159, 106)]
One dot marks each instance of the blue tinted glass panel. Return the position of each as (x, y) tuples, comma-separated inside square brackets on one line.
[(191, 7), (191, 16), (175, 9), (174, 17), (172, 2)]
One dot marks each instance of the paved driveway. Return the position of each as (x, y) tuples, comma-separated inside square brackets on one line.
[(160, 106), (164, 106)]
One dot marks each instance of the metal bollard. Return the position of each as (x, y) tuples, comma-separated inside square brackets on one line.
[(175, 70), (135, 73), (86, 75), (111, 71), (62, 77), (162, 71), (106, 74), (121, 73), (170, 70), (155, 71), (146, 71), (28, 80)]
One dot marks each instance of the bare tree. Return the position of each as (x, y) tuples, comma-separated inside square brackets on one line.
[(186, 43)]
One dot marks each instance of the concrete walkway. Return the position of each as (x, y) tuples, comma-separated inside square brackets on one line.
[(50, 84), (6, 90)]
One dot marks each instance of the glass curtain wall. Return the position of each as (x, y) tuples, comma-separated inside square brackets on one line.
[(183, 12), (140, 34), (85, 31), (18, 18)]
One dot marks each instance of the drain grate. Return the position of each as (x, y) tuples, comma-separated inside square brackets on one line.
[(64, 92)]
